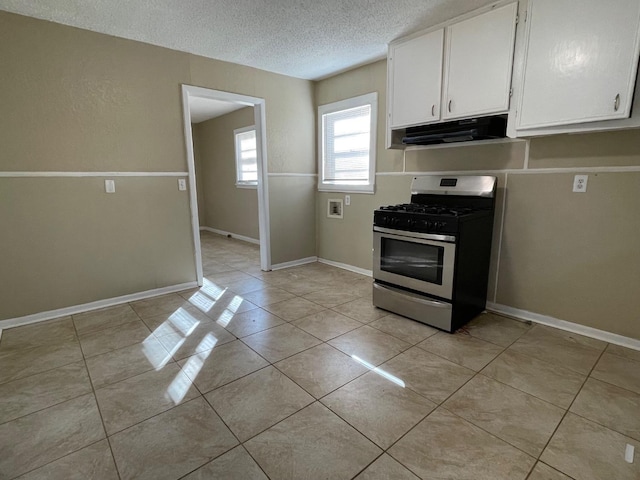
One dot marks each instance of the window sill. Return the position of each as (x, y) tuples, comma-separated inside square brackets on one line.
[(369, 190), (247, 185)]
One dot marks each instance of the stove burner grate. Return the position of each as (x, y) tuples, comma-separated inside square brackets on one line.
[(428, 209)]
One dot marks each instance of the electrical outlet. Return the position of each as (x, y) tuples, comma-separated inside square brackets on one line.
[(182, 184), (347, 199), (580, 183)]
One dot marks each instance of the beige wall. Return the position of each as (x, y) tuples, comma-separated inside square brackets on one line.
[(78, 101), (65, 242), (575, 257), (290, 127), (224, 206)]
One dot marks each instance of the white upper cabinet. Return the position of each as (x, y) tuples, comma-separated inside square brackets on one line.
[(580, 62), (415, 78), (478, 63)]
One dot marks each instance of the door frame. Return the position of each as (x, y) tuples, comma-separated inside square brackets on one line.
[(264, 228)]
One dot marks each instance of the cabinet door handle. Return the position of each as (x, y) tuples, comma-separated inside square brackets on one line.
[(449, 106), (433, 110), (616, 103)]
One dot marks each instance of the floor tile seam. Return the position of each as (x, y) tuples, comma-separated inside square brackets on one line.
[(90, 390), (268, 427), (289, 356), (63, 342), (369, 464), (158, 414), (534, 457), (93, 332), (176, 359), (127, 346), (562, 336), (494, 343), (608, 427), (553, 468), (494, 434), (43, 371), (95, 399), (259, 331), (277, 423), (224, 423), (137, 423), (569, 407), (241, 445), (110, 434), (114, 327), (540, 360), (60, 458), (521, 390), (353, 318), (332, 306), (617, 355), (459, 364), (318, 399), (635, 392), (329, 339), (375, 365), (102, 387), (295, 319), (217, 387), (388, 450), (366, 436), (395, 336)]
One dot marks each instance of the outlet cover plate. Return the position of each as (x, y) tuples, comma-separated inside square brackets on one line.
[(580, 183)]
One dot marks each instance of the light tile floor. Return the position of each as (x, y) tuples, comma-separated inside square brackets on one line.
[(293, 374)]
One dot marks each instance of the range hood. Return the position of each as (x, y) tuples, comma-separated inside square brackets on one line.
[(471, 129)]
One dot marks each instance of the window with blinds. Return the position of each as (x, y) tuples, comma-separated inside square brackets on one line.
[(246, 157), (347, 144)]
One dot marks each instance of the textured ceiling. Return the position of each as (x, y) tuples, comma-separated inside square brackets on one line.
[(309, 39)]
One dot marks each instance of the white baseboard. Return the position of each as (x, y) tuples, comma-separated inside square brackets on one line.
[(345, 266), (233, 235), (294, 263), (86, 307), (564, 325)]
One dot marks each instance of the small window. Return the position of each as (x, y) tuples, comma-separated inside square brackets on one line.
[(347, 144), (246, 157)]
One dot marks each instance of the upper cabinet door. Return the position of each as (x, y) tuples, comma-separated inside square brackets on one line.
[(581, 61), (479, 58), (415, 80)]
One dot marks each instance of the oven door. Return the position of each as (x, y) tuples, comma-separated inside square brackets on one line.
[(418, 261)]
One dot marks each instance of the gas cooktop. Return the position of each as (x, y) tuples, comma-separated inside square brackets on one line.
[(428, 209)]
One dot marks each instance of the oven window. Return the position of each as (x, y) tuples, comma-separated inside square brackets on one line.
[(410, 259)]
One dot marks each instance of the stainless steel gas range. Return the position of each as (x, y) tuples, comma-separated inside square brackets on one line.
[(431, 256)]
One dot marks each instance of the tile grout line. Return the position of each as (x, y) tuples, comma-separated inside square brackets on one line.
[(569, 407), (95, 398)]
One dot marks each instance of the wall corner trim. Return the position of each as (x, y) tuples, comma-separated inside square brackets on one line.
[(86, 307), (564, 325), (346, 266), (294, 263), (233, 235)]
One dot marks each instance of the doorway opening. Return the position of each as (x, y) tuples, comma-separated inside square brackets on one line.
[(192, 98)]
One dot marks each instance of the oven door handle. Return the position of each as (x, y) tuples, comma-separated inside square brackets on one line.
[(423, 236), (414, 298)]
